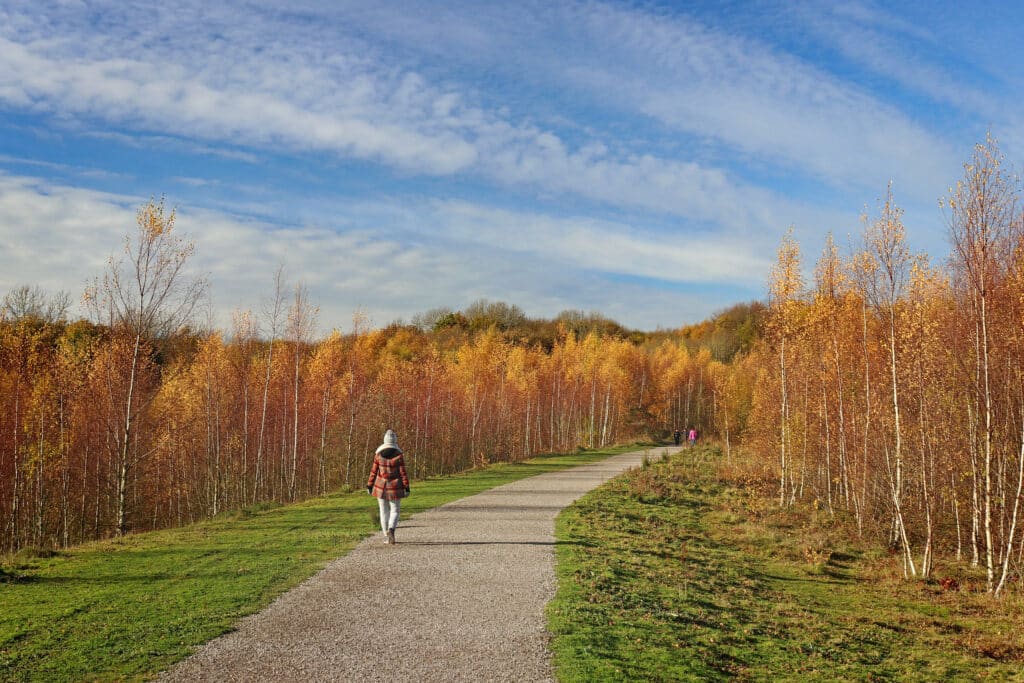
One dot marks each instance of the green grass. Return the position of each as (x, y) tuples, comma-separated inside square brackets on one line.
[(671, 573), (127, 608)]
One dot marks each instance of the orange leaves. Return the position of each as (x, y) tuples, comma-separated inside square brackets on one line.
[(218, 422)]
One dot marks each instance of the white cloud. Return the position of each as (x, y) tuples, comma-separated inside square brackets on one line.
[(607, 247), (668, 121), (148, 95), (758, 101), (896, 50), (49, 236), (167, 142), (304, 87), (60, 237)]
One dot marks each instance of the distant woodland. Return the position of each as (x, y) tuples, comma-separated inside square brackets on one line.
[(889, 389)]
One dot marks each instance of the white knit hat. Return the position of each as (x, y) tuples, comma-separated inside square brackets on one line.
[(390, 441)]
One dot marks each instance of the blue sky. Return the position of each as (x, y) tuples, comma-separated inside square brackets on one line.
[(637, 159)]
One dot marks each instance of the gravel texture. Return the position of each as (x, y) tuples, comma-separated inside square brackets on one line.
[(460, 597)]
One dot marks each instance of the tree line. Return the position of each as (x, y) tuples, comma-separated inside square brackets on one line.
[(134, 420)]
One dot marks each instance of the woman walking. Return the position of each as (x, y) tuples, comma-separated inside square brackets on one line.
[(388, 483)]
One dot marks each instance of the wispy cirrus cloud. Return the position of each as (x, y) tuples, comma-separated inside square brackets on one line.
[(61, 168), (741, 92), (465, 143), (762, 102), (245, 87), (166, 142), (151, 96), (606, 246), (902, 52)]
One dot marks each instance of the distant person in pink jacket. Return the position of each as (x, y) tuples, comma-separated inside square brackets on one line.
[(693, 437)]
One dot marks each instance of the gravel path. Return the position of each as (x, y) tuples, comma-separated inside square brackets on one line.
[(467, 584)]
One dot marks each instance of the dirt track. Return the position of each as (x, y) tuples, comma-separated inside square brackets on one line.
[(461, 597)]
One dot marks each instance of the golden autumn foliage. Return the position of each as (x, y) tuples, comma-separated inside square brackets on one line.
[(221, 422), (892, 392), (889, 389)]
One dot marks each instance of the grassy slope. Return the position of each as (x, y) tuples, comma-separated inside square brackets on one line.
[(670, 574), (127, 608)]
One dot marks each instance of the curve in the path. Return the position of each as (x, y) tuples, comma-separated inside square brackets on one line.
[(461, 597)]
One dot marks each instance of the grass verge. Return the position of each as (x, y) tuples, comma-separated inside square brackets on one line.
[(127, 608), (670, 573)]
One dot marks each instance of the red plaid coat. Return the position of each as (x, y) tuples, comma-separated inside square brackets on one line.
[(388, 479)]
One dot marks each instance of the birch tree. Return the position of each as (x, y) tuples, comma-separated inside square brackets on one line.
[(144, 297), (981, 214), (301, 324), (785, 288), (885, 243)]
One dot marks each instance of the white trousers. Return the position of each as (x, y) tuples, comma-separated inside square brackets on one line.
[(388, 513)]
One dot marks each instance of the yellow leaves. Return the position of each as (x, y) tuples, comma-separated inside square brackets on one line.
[(153, 221), (786, 282)]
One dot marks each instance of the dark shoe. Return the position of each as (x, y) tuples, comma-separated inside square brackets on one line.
[(391, 536)]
